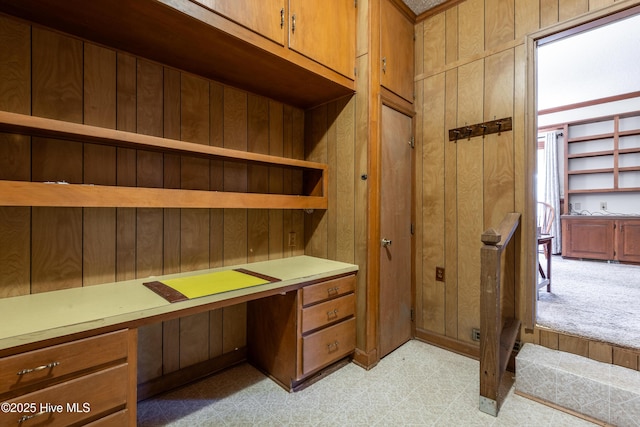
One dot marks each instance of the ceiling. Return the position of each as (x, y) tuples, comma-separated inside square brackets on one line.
[(419, 6)]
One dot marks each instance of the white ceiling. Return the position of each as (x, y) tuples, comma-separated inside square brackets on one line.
[(419, 6)]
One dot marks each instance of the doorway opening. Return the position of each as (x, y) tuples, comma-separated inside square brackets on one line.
[(588, 175)]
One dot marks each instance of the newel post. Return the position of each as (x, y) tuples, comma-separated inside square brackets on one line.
[(490, 322)]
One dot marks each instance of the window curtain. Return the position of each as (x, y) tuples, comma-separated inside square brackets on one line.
[(552, 187)]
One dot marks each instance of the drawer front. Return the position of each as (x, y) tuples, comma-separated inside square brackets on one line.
[(71, 401), (313, 294), (40, 366), (119, 419), (322, 314), (328, 345)]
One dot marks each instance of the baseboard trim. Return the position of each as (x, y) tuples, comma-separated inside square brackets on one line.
[(450, 344), (366, 360)]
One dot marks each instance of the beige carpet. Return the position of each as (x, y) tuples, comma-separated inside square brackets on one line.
[(593, 299)]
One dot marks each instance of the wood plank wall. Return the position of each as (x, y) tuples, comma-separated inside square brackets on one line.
[(471, 67), (49, 74)]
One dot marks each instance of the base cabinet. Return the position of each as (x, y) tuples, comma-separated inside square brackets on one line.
[(610, 239), (79, 382), (295, 335)]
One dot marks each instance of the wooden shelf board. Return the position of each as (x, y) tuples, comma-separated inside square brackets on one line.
[(24, 193), (590, 154), (590, 171), (591, 137), (50, 128), (606, 190)]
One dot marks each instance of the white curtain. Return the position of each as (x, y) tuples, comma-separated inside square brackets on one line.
[(552, 187)]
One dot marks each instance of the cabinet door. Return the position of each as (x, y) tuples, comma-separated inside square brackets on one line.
[(396, 51), (587, 238), (265, 17), (325, 32), (628, 240)]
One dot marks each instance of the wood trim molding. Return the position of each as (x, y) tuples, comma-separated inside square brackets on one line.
[(448, 343), (590, 103)]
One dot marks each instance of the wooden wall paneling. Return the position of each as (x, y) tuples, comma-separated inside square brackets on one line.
[(626, 358), (527, 17), (549, 339), (276, 180), (548, 12), (126, 166), (149, 222), (296, 185), (216, 216), (471, 28), (499, 22), (575, 345), (499, 178), (235, 220), (56, 236), (601, 352), (599, 4), (452, 35), (470, 201), (434, 41), (99, 224), (568, 9), (194, 223), (171, 217), (317, 149), (451, 207), (418, 221), (15, 156), (432, 206), (331, 159), (345, 180), (258, 177)]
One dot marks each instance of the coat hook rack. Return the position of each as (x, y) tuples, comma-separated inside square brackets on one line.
[(481, 129)]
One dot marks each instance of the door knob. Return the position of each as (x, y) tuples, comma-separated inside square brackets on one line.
[(386, 242)]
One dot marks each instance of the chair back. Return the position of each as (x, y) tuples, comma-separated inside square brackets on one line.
[(546, 215)]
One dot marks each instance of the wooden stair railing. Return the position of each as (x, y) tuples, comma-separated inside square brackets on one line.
[(497, 336)]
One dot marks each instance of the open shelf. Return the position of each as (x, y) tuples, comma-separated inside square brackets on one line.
[(22, 193)]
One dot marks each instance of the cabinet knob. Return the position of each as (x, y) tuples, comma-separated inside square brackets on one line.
[(293, 23)]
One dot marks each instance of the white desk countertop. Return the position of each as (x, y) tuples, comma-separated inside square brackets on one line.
[(37, 317)]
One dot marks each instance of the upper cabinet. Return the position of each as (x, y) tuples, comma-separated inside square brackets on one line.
[(265, 17), (396, 50), (325, 32), (298, 52)]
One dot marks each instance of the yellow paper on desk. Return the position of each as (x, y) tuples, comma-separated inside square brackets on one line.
[(213, 283)]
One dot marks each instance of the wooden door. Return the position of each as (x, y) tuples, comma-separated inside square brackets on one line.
[(395, 231), (325, 32), (629, 240), (265, 17), (396, 50)]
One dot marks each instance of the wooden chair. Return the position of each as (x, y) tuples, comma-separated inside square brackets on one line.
[(545, 216)]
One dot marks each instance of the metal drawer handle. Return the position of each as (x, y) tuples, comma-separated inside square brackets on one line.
[(26, 418), (332, 346), (332, 314), (38, 368), (333, 290)]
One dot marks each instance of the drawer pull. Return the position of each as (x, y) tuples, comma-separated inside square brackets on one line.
[(332, 346), (38, 368), (333, 291), (332, 314), (26, 418)]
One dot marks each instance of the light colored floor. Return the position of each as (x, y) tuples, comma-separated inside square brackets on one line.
[(418, 384)]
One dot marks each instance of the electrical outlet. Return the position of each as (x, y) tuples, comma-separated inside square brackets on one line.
[(577, 206), (603, 206), (440, 274), (292, 238), (475, 334)]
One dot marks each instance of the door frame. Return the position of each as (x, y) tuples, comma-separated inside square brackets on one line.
[(528, 224)]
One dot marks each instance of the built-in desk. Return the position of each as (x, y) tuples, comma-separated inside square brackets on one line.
[(84, 340)]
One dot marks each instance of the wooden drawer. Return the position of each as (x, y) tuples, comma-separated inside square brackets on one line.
[(328, 345), (328, 312), (313, 294), (119, 419), (41, 366), (71, 401)]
